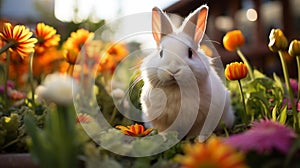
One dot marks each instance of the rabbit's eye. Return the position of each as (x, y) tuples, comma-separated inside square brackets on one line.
[(190, 53), (161, 53)]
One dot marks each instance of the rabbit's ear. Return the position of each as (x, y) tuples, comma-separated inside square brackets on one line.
[(161, 24), (195, 24)]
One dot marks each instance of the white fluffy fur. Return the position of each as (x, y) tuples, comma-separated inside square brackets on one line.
[(161, 98)]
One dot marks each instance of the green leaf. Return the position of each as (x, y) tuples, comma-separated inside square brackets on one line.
[(274, 111), (278, 82), (282, 116), (258, 74), (147, 145)]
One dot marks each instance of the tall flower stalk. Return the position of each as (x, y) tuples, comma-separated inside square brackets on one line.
[(238, 71), (278, 43), (6, 76), (31, 81), (3, 49)]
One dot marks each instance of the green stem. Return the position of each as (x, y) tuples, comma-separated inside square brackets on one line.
[(113, 116), (289, 88), (7, 46), (241, 55), (31, 80), (298, 65), (10, 143), (6, 76), (243, 115)]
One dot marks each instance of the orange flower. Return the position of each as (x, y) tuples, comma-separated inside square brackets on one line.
[(107, 63), (111, 57), (74, 44), (236, 71), (233, 40), (214, 153), (20, 37), (118, 51), (47, 62), (136, 130), (18, 68), (46, 36)]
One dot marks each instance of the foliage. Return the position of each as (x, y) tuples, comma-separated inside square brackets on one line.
[(12, 129)]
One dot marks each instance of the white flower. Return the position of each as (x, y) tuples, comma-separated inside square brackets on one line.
[(57, 88)]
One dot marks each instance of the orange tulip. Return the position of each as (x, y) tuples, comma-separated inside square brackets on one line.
[(236, 71), (233, 40), (136, 130)]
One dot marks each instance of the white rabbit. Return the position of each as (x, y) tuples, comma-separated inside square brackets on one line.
[(178, 77)]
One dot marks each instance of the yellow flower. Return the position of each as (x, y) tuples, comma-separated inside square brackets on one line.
[(294, 48), (46, 36), (236, 71), (136, 130), (20, 37), (74, 44), (277, 40), (77, 39), (213, 154), (233, 40)]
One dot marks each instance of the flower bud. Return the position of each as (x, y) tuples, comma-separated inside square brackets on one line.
[(294, 48), (236, 71), (233, 40), (277, 40)]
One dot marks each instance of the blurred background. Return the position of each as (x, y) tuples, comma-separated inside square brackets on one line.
[(255, 18)]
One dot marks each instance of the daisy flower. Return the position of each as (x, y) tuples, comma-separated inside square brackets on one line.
[(136, 130), (46, 36), (19, 38), (74, 43)]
